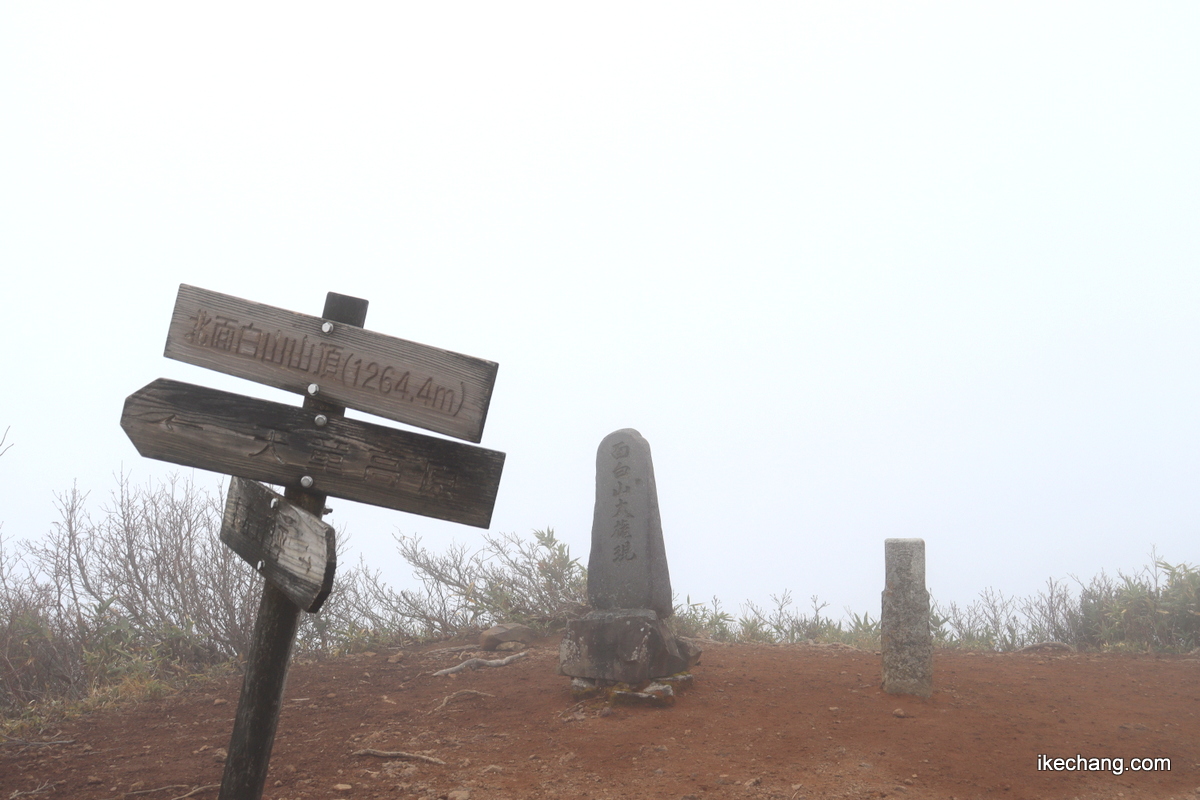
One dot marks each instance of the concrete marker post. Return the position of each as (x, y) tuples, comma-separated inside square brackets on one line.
[(907, 644)]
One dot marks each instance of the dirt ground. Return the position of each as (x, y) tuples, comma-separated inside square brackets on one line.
[(805, 721)]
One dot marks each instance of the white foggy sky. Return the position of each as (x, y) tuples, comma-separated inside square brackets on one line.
[(855, 270)]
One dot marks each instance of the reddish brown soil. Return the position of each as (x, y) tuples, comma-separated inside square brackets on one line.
[(760, 722)]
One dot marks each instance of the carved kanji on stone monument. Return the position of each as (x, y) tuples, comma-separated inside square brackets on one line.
[(628, 564), (625, 639)]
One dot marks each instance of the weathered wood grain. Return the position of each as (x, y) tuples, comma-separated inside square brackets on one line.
[(257, 717), (274, 443), (413, 383), (292, 549)]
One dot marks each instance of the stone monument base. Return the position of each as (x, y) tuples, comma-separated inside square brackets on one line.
[(623, 645)]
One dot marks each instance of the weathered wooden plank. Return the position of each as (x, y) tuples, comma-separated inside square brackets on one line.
[(292, 549), (413, 383), (274, 443)]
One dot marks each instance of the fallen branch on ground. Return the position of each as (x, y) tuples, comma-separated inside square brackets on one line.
[(29, 743), (159, 789), (475, 663), (197, 790), (398, 754), (460, 693)]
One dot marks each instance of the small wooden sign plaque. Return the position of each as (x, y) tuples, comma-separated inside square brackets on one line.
[(293, 549)]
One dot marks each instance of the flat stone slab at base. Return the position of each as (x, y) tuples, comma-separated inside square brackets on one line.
[(624, 645)]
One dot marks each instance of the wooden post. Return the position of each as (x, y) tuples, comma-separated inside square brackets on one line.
[(275, 631)]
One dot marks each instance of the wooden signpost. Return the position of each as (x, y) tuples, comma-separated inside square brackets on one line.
[(313, 451)]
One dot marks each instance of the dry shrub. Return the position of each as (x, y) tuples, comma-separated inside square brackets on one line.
[(146, 592), (145, 589)]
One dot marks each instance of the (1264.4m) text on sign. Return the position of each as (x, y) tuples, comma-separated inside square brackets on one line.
[(342, 364)]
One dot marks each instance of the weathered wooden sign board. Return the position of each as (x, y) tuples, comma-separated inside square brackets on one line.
[(293, 549), (401, 380), (313, 451), (209, 429)]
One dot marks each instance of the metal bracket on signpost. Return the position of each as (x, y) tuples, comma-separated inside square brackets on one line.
[(275, 630)]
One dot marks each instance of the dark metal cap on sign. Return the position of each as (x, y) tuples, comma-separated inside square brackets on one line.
[(345, 309)]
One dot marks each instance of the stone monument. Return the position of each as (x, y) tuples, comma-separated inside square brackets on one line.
[(906, 645), (625, 637)]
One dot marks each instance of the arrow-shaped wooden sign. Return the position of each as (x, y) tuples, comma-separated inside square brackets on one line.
[(289, 446), (292, 548), (417, 384)]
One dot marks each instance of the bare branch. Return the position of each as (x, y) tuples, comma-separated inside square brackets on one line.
[(197, 790), (159, 789), (460, 693), (29, 743), (398, 754), (475, 663)]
